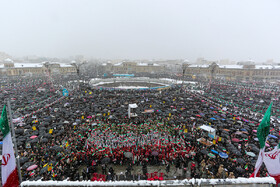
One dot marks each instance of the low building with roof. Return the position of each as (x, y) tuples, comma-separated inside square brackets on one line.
[(10, 68), (240, 71), (133, 67)]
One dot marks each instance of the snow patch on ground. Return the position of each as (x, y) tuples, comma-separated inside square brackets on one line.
[(258, 180), (131, 87)]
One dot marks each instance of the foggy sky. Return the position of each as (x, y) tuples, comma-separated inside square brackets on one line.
[(142, 29)]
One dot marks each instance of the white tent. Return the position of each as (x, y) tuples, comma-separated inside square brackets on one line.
[(131, 106), (212, 131)]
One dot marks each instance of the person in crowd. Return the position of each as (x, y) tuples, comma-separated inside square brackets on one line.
[(90, 129)]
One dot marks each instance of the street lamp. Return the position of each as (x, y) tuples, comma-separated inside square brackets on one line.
[(184, 67), (213, 69), (48, 66), (77, 67)]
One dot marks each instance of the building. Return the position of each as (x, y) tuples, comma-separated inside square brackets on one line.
[(133, 67), (9, 68), (4, 56), (241, 71)]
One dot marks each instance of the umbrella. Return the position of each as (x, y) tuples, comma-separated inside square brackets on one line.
[(253, 162), (57, 148), (155, 153), (211, 155), (32, 167), (238, 133), (105, 160), (52, 162), (23, 160), (43, 170), (240, 170), (238, 153), (214, 151), (204, 151), (128, 154), (251, 154), (225, 135), (223, 155), (38, 178), (19, 131), (255, 149), (47, 135), (235, 140), (27, 164), (243, 135), (272, 136), (34, 141), (33, 137), (222, 148), (241, 161)]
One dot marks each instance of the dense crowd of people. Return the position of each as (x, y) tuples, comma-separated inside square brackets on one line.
[(90, 128)]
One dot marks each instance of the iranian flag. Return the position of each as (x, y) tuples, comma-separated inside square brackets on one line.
[(271, 159), (9, 170)]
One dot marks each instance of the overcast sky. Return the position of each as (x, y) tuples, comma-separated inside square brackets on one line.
[(142, 29)]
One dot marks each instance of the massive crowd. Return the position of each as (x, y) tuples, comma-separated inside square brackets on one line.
[(90, 128)]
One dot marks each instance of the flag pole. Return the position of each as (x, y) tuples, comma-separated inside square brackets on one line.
[(14, 141)]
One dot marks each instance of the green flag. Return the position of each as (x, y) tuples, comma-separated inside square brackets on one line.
[(4, 124), (263, 129), (9, 171)]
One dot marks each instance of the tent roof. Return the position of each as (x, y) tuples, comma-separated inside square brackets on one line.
[(207, 128)]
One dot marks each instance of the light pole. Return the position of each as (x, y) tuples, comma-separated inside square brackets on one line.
[(77, 67), (184, 67), (48, 66), (213, 69)]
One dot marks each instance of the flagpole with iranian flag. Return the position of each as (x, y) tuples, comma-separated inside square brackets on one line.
[(14, 139), (262, 133), (8, 168)]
